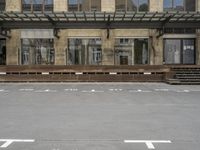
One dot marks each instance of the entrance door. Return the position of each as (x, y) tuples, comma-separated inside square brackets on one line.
[(2, 52)]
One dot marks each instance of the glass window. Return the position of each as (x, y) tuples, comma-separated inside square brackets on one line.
[(2, 5), (132, 5), (37, 5), (73, 5), (179, 5), (95, 5), (2, 52), (188, 51), (37, 51), (84, 51), (131, 51), (190, 5), (48, 5), (179, 51), (120, 5)]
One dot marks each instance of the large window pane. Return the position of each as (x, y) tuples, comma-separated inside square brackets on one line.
[(37, 5), (37, 51), (84, 51), (48, 5), (179, 5), (190, 5), (2, 5), (188, 51), (85, 5), (132, 5), (143, 5), (73, 5), (141, 51), (95, 5), (168, 5), (26, 5), (2, 52), (131, 51), (172, 51), (120, 5)]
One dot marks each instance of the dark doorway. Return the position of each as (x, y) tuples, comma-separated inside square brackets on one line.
[(2, 52)]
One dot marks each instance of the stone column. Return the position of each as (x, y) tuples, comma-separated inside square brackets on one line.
[(198, 5), (156, 5), (108, 5), (198, 48), (108, 48), (13, 46), (156, 47), (13, 5), (60, 45), (60, 5)]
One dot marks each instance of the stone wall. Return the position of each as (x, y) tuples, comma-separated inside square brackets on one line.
[(108, 5), (13, 46), (156, 5), (156, 47), (60, 5), (198, 5), (13, 5), (198, 48)]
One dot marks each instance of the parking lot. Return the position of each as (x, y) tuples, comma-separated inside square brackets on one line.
[(99, 116)]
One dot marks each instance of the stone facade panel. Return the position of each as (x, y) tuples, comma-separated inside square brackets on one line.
[(60, 5), (13, 5), (108, 5), (156, 5)]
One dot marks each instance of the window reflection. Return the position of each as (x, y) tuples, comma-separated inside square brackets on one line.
[(84, 51), (132, 5), (37, 5), (37, 51), (179, 51), (84, 5), (2, 5), (179, 5), (131, 51)]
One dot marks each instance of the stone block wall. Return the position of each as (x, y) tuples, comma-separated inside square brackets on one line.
[(156, 5), (13, 46), (60, 5), (13, 5)]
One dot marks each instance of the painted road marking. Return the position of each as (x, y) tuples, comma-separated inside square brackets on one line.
[(162, 90), (45, 91), (182, 91), (3, 90), (71, 90), (7, 142), (92, 91), (148, 143), (139, 91), (26, 90), (116, 90)]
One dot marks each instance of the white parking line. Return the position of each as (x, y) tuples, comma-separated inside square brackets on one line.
[(71, 90), (45, 91), (148, 143), (3, 90), (92, 91), (26, 90), (7, 142), (139, 91), (162, 90), (182, 91)]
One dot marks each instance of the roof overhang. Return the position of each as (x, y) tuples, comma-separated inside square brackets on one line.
[(99, 20)]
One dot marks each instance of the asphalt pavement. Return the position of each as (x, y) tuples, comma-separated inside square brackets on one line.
[(99, 116)]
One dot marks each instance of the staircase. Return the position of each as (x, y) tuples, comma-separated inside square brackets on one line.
[(186, 75)]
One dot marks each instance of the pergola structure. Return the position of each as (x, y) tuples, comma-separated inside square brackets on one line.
[(98, 20)]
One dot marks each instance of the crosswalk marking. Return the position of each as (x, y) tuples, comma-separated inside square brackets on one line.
[(8, 142)]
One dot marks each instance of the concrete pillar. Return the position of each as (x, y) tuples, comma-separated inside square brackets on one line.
[(60, 5), (156, 48), (156, 5), (198, 5), (13, 46), (13, 5), (108, 5), (60, 45), (108, 47), (198, 48)]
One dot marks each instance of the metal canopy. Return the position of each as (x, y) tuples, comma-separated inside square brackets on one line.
[(99, 20)]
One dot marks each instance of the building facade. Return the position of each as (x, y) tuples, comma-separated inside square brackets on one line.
[(118, 43)]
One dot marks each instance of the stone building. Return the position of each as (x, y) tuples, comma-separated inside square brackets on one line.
[(99, 32)]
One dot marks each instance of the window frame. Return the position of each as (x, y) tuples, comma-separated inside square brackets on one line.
[(3, 5), (79, 3), (137, 6), (43, 9), (184, 7)]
